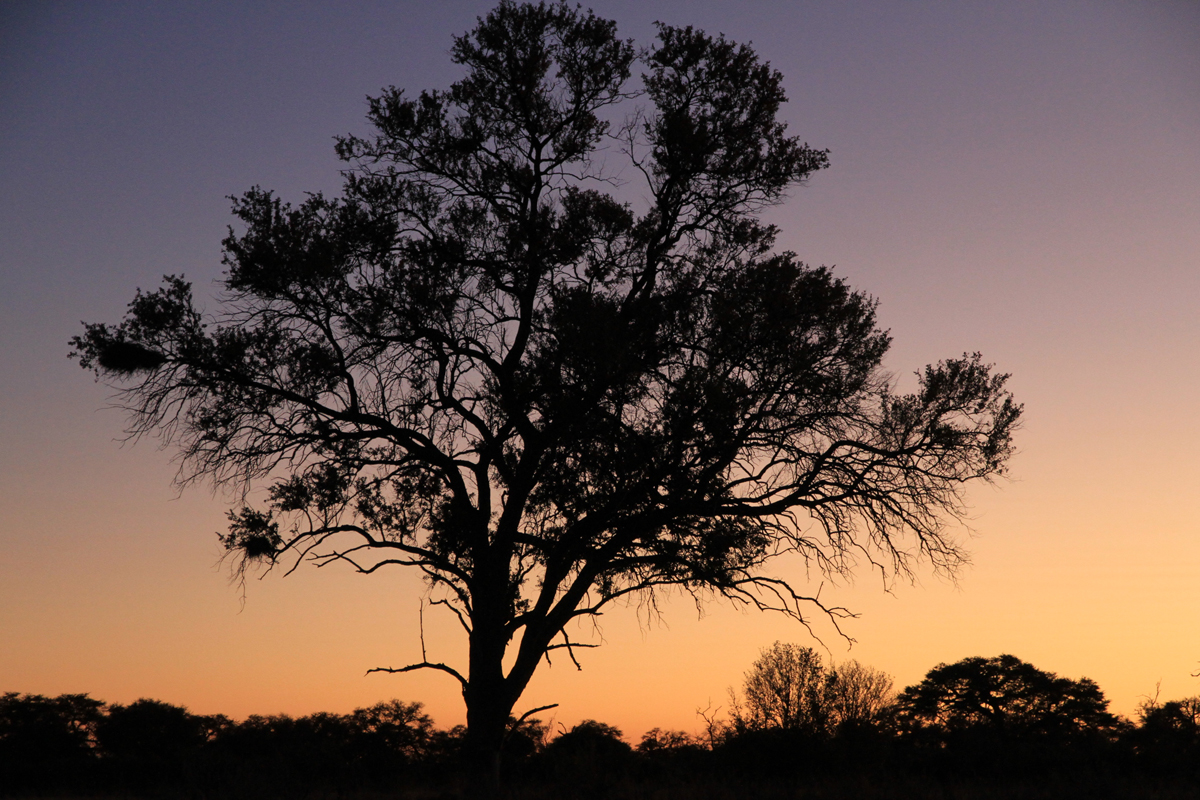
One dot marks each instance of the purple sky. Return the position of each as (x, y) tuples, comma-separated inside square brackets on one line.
[(1021, 179)]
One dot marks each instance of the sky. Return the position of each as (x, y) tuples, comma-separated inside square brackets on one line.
[(1018, 179)]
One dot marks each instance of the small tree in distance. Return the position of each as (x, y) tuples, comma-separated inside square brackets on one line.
[(1003, 698), (858, 696), (789, 688), (477, 363), (1168, 733), (784, 688)]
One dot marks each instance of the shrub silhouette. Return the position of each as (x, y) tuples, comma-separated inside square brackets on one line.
[(149, 743), (291, 752), (525, 739), (657, 740), (591, 755), (1168, 737), (149, 730), (391, 736)]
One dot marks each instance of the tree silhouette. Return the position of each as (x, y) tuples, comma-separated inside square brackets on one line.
[(46, 742), (858, 696), (785, 689), (149, 744), (591, 754), (1004, 697), (480, 363), (789, 688), (1168, 735)]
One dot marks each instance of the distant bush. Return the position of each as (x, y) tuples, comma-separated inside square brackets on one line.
[(1167, 737), (591, 754)]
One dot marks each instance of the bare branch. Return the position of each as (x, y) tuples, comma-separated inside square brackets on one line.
[(423, 665), (529, 714)]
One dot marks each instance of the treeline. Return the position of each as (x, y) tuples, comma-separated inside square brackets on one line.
[(794, 723), (75, 743)]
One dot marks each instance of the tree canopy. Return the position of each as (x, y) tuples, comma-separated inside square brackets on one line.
[(789, 688), (784, 688), (1004, 696), (482, 363)]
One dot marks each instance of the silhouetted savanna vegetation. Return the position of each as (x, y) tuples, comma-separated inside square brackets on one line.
[(796, 728), (543, 350)]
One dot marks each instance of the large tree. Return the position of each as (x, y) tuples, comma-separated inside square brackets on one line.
[(1002, 698), (542, 350)]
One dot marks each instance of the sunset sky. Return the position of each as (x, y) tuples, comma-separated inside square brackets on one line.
[(1020, 178)]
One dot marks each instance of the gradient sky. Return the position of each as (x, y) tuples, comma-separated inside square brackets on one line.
[(1021, 179)]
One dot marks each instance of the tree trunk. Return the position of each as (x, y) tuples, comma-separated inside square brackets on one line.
[(489, 702), (481, 748)]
